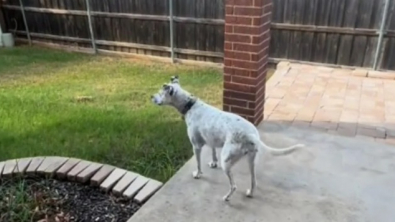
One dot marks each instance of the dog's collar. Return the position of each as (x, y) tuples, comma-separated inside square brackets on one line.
[(188, 106)]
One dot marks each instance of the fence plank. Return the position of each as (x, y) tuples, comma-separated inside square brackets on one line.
[(389, 55), (278, 11), (337, 13), (363, 18), (345, 50), (319, 48), (332, 50), (2, 21), (306, 46), (369, 52), (351, 13), (358, 51)]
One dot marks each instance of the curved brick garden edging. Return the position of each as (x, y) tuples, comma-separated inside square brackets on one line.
[(109, 178)]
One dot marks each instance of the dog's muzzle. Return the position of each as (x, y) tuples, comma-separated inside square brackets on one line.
[(154, 99)]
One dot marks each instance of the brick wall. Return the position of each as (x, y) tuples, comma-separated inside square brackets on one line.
[(247, 39)]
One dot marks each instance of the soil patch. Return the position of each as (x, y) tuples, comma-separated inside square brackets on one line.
[(47, 200)]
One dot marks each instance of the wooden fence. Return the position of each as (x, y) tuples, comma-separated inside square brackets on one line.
[(342, 32)]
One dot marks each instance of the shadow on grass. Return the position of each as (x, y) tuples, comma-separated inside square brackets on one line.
[(153, 146)]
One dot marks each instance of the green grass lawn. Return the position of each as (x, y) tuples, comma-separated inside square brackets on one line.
[(40, 113)]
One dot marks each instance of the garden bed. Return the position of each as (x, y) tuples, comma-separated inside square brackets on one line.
[(37, 199)]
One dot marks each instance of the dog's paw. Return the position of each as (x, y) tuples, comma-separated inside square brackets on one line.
[(213, 164), (197, 174), (225, 198), (249, 193)]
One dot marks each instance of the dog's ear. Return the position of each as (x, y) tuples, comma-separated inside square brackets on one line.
[(175, 79)]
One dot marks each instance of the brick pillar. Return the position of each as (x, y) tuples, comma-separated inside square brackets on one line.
[(247, 38)]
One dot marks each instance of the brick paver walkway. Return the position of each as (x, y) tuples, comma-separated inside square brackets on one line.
[(339, 101)]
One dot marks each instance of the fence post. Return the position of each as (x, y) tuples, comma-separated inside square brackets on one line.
[(25, 22), (2, 21), (171, 30), (2, 26), (88, 11), (381, 35)]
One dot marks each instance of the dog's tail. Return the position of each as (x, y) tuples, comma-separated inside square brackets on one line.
[(274, 151)]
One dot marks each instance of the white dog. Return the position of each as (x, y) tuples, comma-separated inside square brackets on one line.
[(207, 125)]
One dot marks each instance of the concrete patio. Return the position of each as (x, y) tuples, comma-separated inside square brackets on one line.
[(334, 178)]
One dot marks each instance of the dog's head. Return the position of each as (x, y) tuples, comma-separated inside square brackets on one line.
[(170, 93)]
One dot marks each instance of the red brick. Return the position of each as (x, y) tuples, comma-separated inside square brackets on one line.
[(245, 64), (238, 20), (228, 46), (241, 72), (239, 95), (226, 108), (229, 10), (255, 48), (234, 102), (268, 8), (262, 20), (239, 87), (248, 11), (250, 119), (261, 71), (261, 55), (244, 80), (259, 116), (248, 80), (260, 95), (227, 62), (246, 56), (236, 71), (242, 111), (252, 30), (261, 3), (258, 119), (237, 38), (228, 70), (256, 104), (229, 28), (227, 78), (240, 2), (259, 108), (265, 36)]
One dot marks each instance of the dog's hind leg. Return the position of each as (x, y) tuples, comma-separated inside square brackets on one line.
[(251, 163), (214, 162), (228, 159)]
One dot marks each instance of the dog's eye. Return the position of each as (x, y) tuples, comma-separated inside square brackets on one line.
[(169, 89)]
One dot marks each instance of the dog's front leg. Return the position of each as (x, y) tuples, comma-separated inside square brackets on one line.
[(214, 162), (197, 143), (197, 150)]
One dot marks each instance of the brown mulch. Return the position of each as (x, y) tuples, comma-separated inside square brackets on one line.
[(46, 200)]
